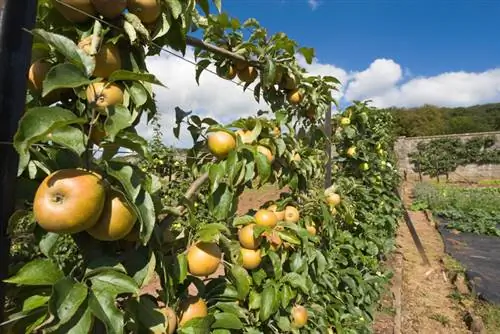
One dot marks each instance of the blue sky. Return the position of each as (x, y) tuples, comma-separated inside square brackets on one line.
[(393, 52), (426, 36)]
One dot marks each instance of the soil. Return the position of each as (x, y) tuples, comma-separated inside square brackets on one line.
[(249, 200), (425, 290)]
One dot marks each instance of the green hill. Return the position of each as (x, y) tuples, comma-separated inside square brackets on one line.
[(430, 120)]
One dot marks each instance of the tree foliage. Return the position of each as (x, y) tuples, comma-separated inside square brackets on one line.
[(90, 87), (430, 120)]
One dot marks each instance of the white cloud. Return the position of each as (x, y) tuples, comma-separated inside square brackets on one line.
[(313, 4), (214, 97), (384, 81), (380, 76), (451, 89)]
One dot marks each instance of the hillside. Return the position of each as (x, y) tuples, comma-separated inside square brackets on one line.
[(430, 120)]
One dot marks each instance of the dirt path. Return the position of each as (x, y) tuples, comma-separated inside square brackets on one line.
[(425, 304)]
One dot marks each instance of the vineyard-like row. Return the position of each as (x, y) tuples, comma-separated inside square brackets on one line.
[(92, 228)]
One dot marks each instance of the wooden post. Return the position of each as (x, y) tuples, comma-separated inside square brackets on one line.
[(328, 148), (15, 56)]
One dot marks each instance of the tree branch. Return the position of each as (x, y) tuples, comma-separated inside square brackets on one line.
[(218, 50), (167, 219)]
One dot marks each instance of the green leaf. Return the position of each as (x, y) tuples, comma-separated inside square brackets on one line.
[(243, 220), (125, 75), (118, 119), (35, 125), (232, 307), (102, 305), (147, 216), (216, 174), (210, 232), (277, 266), (267, 301), (196, 326), (34, 302), (106, 286), (134, 142), (127, 175), (37, 272), (221, 202), (287, 295), (180, 268), (69, 50), (254, 300), (263, 166), (227, 321), (241, 281), (70, 137), (296, 281), (175, 8), (200, 67), (149, 315), (64, 75), (48, 242), (138, 93), (67, 296), (114, 282), (308, 54), (218, 5)]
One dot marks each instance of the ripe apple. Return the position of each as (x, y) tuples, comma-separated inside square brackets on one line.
[(69, 201), (116, 221), (203, 258), (220, 143)]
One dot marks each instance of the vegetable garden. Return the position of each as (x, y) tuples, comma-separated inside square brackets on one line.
[(92, 228)]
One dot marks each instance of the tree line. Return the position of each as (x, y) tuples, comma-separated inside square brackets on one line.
[(429, 120)]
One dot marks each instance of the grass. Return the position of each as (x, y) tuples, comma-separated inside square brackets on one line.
[(489, 182), (475, 210), (441, 318), (491, 316)]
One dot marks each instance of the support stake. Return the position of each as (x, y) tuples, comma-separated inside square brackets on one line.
[(15, 56)]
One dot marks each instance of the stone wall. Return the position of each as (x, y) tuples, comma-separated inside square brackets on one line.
[(406, 145)]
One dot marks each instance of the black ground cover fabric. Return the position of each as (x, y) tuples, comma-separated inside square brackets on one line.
[(480, 255)]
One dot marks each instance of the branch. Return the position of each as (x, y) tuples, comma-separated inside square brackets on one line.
[(193, 41), (167, 219)]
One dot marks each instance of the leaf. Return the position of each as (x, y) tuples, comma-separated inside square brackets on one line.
[(102, 305), (69, 50), (254, 300), (134, 142), (221, 202), (200, 67), (125, 75), (296, 281), (241, 281), (48, 242), (67, 296), (263, 166), (243, 220), (175, 8), (37, 272), (118, 119), (127, 176), (34, 302), (218, 5), (70, 137), (267, 301), (147, 215), (35, 125), (216, 174), (106, 286), (227, 321), (277, 266), (308, 54), (196, 326), (138, 93), (64, 75)]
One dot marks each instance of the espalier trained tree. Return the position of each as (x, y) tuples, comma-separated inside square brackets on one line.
[(308, 262)]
